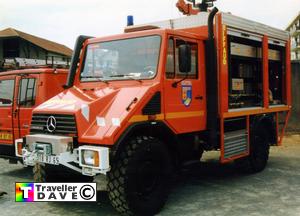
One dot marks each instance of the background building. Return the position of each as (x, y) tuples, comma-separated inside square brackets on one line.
[(294, 29), (16, 44)]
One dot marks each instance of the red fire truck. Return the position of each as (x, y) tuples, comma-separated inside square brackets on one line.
[(138, 105), (20, 92)]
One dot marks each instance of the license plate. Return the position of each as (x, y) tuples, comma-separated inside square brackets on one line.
[(49, 159)]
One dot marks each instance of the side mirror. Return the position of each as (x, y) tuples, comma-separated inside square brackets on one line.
[(185, 58)]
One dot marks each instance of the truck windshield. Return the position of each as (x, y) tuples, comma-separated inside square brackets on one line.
[(135, 58)]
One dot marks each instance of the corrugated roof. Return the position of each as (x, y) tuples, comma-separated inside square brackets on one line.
[(43, 43)]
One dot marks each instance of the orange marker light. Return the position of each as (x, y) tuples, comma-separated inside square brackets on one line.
[(20, 146), (96, 159)]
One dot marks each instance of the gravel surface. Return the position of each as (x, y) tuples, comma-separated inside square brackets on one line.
[(205, 189)]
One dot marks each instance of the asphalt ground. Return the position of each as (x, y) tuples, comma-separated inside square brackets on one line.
[(204, 189)]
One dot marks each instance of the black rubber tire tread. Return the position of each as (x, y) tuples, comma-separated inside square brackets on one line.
[(47, 173), (117, 178), (259, 153)]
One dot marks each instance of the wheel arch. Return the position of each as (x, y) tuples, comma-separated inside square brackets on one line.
[(156, 129)]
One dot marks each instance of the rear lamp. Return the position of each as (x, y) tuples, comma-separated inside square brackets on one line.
[(94, 157)]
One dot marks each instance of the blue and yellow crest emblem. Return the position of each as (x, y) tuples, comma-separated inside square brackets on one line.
[(186, 94)]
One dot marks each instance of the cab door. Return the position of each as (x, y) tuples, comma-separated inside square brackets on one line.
[(25, 102), (184, 95), (7, 90)]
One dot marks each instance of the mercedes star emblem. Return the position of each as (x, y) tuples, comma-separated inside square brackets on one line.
[(51, 124)]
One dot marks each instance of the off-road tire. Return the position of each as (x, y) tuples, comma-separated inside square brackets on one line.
[(259, 153), (48, 173), (130, 187)]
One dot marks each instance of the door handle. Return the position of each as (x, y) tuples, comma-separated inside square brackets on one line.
[(199, 97)]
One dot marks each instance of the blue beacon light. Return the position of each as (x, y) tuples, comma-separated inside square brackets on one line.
[(130, 20)]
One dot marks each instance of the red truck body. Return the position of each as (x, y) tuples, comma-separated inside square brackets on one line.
[(20, 92)]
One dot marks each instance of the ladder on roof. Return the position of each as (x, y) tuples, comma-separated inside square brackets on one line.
[(22, 63)]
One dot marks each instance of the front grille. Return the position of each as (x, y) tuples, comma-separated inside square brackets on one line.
[(65, 124)]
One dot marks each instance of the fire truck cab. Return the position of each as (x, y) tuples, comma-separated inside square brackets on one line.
[(20, 92), (140, 104)]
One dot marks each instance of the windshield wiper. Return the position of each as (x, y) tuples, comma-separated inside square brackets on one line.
[(98, 78), (90, 77), (127, 76)]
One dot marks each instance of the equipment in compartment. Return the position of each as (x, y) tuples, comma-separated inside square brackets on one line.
[(276, 74), (245, 76)]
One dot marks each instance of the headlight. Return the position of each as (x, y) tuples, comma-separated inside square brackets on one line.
[(94, 157), (90, 157)]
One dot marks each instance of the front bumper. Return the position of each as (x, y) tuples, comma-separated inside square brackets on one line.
[(58, 150)]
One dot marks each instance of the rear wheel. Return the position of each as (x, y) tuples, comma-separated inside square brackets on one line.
[(138, 183), (259, 153), (48, 173)]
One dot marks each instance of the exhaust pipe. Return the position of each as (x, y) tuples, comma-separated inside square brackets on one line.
[(211, 83), (75, 60), (210, 23)]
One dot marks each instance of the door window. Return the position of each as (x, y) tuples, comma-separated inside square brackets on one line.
[(27, 92), (172, 66), (6, 92)]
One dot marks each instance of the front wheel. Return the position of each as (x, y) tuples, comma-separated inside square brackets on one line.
[(139, 180), (259, 153)]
